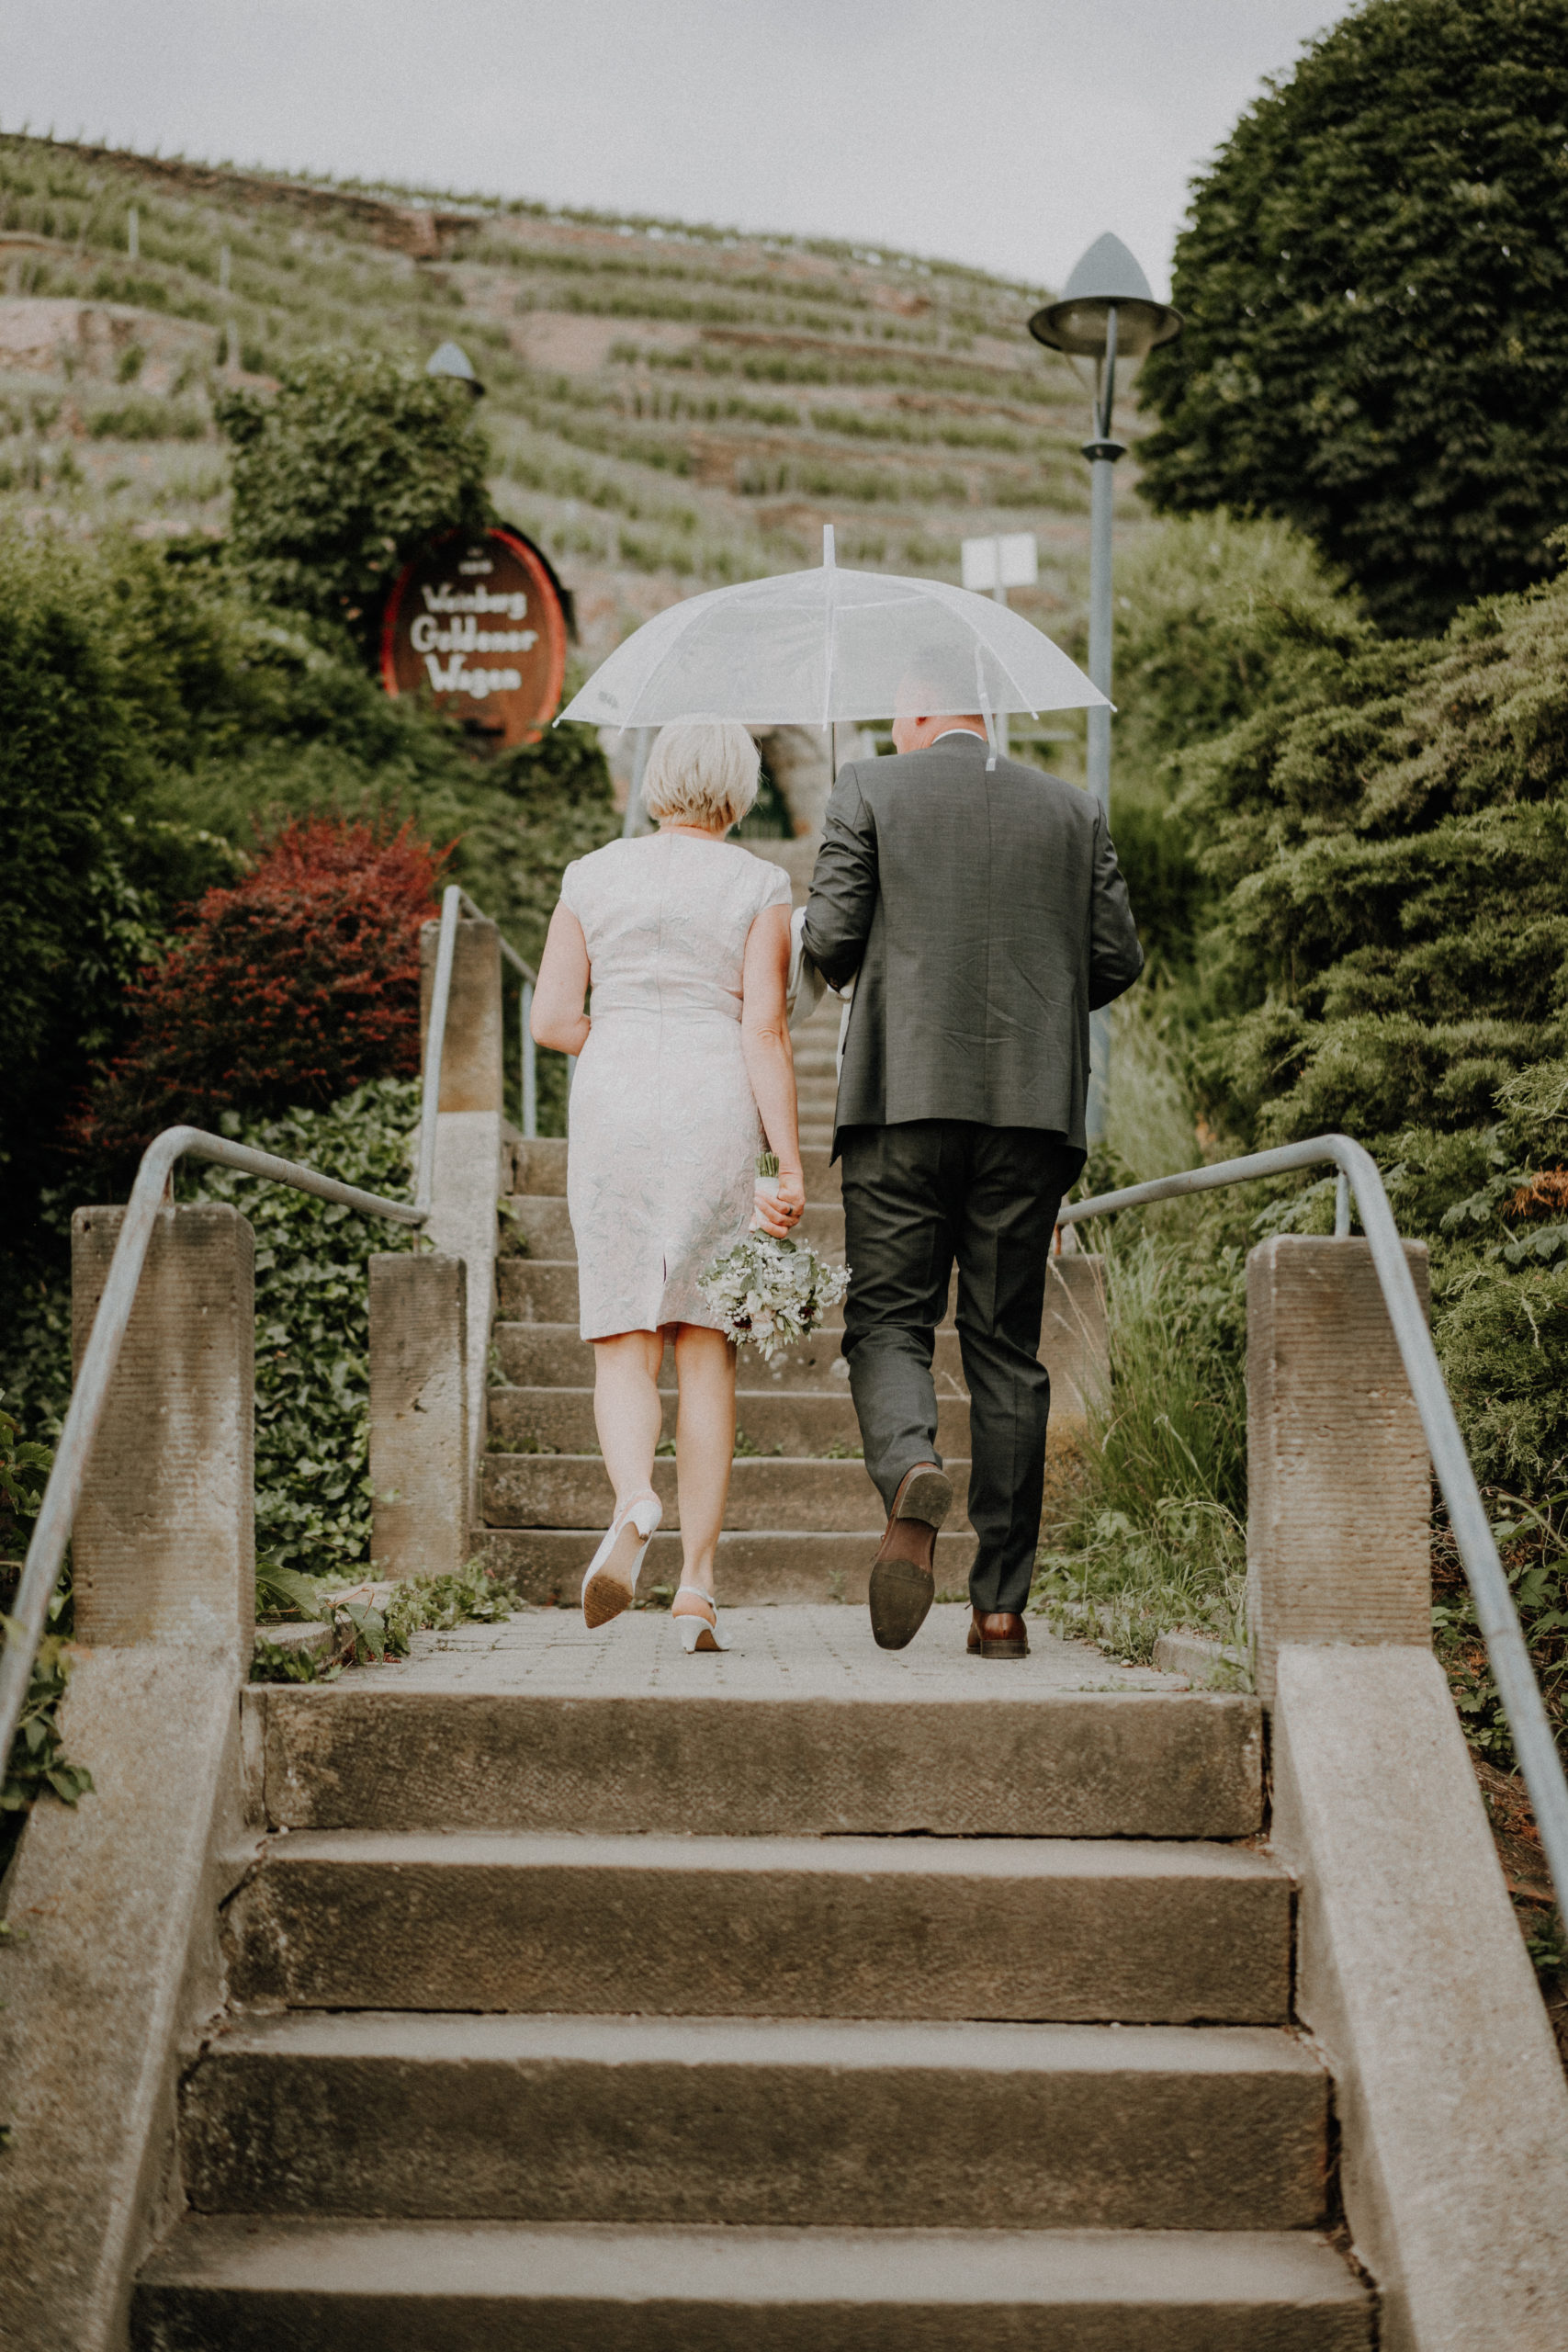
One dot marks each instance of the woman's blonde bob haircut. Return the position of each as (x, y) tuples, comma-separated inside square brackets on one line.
[(702, 772)]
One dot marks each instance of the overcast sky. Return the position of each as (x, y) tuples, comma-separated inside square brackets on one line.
[(1006, 134)]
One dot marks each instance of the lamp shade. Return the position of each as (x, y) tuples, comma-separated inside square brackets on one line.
[(451, 360), (1107, 276)]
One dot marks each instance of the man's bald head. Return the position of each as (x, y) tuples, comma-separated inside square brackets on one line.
[(923, 706)]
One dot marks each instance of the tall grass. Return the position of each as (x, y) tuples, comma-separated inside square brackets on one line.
[(1156, 1537)]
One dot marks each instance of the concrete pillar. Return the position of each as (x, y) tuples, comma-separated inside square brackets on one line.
[(419, 1414), (164, 1548), (1339, 1543), (472, 1056), (471, 1149)]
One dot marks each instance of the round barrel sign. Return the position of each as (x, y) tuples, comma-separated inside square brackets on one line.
[(476, 621)]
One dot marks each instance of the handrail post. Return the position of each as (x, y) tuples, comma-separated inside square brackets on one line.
[(436, 1040), (1339, 1486), (530, 1066), (164, 1545), (462, 1132)]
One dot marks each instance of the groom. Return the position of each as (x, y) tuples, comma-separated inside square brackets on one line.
[(977, 905)]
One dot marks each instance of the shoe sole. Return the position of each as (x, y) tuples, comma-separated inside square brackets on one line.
[(609, 1592), (901, 1590), (999, 1649)]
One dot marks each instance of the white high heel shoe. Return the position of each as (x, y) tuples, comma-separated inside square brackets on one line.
[(610, 1584), (700, 1632)]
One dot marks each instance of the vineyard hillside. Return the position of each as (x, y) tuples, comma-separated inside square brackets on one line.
[(670, 407)]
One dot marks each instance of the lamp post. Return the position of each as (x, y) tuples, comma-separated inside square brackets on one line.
[(1107, 312)]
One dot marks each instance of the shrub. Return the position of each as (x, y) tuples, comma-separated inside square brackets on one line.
[(290, 987), (313, 1317), (1392, 847), (36, 1765)]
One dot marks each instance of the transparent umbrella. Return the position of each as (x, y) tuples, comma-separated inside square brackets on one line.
[(807, 648)]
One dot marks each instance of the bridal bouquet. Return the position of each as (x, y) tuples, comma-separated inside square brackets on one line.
[(770, 1291)]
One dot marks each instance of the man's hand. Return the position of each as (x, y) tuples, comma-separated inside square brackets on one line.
[(782, 1211)]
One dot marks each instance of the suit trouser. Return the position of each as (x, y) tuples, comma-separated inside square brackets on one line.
[(917, 1196)]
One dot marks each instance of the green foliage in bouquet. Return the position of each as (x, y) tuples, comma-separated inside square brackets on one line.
[(771, 1292)]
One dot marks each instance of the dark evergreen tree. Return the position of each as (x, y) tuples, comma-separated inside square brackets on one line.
[(1374, 274)]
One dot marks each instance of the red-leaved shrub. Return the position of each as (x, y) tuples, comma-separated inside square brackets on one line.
[(292, 987)]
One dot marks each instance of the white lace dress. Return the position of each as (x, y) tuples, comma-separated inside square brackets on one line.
[(663, 1127)]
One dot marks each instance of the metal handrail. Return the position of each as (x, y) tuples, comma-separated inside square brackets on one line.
[(1540, 1762), (89, 1398)]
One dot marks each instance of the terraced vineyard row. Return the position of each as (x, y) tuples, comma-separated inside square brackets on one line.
[(670, 407)]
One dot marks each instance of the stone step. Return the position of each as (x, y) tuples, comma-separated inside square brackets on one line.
[(545, 1290), (560, 1420), (1042, 1931), (552, 1355), (545, 1223), (566, 1490), (542, 1169), (601, 1739), (753, 2122), (760, 1567), (298, 2285)]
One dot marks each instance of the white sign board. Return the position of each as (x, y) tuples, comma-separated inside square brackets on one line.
[(1009, 560)]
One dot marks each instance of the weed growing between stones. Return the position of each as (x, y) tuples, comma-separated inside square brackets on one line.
[(374, 1622), (38, 1764)]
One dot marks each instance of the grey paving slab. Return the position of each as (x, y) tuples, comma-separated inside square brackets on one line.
[(825, 1651)]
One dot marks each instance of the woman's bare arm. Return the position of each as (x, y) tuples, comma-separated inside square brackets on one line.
[(770, 1063), (559, 1019)]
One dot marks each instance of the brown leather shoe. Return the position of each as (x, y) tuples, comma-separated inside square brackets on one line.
[(903, 1574), (998, 1632)]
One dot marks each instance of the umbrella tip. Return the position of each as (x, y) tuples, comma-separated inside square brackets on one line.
[(829, 559)]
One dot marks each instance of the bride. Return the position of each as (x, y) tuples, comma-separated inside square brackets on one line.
[(684, 1063)]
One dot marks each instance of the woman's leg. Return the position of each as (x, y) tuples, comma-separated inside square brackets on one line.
[(705, 1445), (626, 1409)]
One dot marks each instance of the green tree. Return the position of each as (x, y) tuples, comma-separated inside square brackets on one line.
[(90, 876), (340, 476), (1374, 274)]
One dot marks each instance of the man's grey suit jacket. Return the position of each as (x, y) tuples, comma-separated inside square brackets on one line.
[(985, 916)]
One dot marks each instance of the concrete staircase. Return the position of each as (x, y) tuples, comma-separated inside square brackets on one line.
[(801, 1506), (589, 1997), (586, 1996)]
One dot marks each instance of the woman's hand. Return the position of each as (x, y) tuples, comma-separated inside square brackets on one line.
[(780, 1211)]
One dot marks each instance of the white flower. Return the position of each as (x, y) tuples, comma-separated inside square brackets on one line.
[(771, 1292)]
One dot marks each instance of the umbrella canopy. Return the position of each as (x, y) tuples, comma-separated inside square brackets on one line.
[(809, 647)]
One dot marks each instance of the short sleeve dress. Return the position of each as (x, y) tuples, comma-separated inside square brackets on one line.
[(662, 1127)]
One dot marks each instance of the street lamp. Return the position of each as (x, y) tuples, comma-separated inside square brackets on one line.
[(451, 360), (1107, 312)]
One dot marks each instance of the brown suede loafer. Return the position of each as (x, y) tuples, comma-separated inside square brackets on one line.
[(903, 1574), (998, 1632)]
